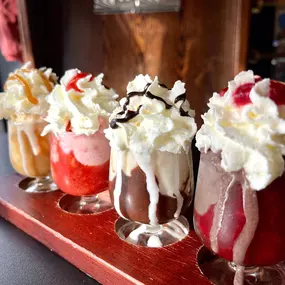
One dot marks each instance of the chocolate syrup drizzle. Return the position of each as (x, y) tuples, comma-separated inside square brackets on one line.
[(131, 114), (128, 116), (107, 87), (163, 86), (181, 97), (151, 96)]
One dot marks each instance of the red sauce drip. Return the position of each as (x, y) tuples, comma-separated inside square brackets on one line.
[(231, 227), (257, 78), (277, 92), (203, 225), (241, 94), (223, 91), (72, 84)]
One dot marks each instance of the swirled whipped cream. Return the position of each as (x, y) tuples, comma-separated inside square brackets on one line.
[(152, 117), (246, 123), (25, 92), (80, 103)]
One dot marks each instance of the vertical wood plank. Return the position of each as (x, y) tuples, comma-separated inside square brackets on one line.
[(138, 44), (204, 45), (242, 33), (25, 32)]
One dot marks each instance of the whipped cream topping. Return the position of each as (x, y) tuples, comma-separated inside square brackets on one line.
[(81, 103), (152, 117), (246, 123), (26, 90)]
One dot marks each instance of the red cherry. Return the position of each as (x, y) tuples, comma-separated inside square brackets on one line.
[(72, 84), (277, 92)]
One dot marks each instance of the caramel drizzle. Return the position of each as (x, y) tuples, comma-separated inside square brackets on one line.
[(26, 86), (47, 83), (45, 80), (131, 114)]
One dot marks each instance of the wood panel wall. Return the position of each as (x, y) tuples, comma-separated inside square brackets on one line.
[(204, 45)]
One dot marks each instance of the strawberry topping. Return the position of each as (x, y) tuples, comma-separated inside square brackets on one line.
[(72, 84), (277, 92)]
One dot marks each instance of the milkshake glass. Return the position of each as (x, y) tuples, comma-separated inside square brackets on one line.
[(23, 104), (80, 152), (238, 209), (151, 175)]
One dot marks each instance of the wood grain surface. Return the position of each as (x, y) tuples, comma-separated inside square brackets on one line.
[(24, 31), (90, 243), (204, 45)]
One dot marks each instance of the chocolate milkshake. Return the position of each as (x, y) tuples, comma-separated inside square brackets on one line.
[(239, 207), (151, 179)]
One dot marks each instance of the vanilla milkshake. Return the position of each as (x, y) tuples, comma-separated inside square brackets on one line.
[(24, 104)]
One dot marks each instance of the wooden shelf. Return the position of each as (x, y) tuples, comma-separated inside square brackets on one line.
[(90, 243)]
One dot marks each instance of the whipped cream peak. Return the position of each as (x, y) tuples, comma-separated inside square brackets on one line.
[(246, 124), (139, 83), (152, 117), (242, 78), (68, 75), (76, 80), (25, 91), (80, 103)]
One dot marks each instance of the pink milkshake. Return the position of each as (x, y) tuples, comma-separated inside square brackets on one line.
[(238, 205)]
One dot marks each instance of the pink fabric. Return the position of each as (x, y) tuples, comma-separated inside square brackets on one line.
[(10, 44)]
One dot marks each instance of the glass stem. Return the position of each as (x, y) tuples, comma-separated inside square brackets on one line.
[(254, 273), (153, 229), (85, 200)]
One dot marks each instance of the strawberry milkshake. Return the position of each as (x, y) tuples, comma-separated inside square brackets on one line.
[(238, 210), (79, 110)]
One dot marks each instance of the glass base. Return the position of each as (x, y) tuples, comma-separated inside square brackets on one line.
[(222, 272), (152, 236), (86, 204), (38, 185)]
